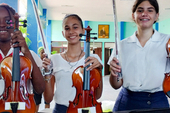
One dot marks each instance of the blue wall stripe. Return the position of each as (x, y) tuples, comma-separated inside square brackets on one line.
[(121, 30), (32, 26), (48, 36), (157, 26), (85, 26)]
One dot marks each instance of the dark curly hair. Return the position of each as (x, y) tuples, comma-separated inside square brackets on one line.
[(10, 10)]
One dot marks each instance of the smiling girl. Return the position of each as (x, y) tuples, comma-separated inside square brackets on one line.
[(65, 63), (143, 62)]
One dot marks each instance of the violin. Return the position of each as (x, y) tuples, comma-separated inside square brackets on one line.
[(85, 83), (16, 71), (166, 82)]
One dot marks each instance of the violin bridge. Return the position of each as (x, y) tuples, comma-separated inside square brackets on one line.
[(21, 105), (87, 110)]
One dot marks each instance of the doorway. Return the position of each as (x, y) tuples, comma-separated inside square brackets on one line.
[(109, 46)]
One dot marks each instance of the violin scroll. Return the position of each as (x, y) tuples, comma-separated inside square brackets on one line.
[(15, 25)]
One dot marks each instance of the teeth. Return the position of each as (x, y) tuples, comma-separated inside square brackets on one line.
[(145, 19), (73, 37), (2, 31)]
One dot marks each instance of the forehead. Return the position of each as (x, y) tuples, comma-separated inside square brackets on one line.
[(71, 20), (3, 12), (145, 4)]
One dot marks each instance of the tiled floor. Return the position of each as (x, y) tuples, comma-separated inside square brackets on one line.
[(108, 97)]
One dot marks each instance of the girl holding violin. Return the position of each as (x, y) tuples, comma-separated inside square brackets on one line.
[(7, 39), (65, 63), (143, 62)]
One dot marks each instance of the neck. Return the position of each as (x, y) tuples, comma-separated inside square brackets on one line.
[(74, 50), (4, 47), (144, 35)]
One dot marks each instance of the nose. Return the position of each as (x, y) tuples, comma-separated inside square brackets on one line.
[(145, 13), (71, 31)]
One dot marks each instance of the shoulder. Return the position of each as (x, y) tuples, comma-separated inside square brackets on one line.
[(36, 58), (94, 55), (160, 36), (131, 38), (56, 56), (34, 55)]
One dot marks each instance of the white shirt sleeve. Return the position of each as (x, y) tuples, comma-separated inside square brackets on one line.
[(111, 57), (37, 59), (98, 58)]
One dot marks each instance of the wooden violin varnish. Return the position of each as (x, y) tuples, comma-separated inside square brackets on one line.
[(166, 82), (85, 82), (16, 71)]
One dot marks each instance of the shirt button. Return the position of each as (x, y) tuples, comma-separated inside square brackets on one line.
[(149, 95), (148, 102), (141, 85)]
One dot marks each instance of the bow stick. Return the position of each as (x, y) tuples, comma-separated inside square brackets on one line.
[(117, 38), (42, 35)]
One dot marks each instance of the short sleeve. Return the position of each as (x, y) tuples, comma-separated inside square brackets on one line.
[(98, 58), (37, 59), (111, 57)]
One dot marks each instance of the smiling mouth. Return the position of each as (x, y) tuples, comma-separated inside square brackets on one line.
[(144, 19), (73, 37)]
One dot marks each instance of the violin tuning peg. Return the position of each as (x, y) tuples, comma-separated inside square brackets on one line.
[(93, 33), (81, 35), (25, 21), (24, 25)]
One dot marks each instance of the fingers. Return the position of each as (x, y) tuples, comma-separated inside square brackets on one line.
[(115, 68), (93, 62), (17, 39), (46, 62)]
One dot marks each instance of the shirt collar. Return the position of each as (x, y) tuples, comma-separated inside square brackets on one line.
[(155, 37)]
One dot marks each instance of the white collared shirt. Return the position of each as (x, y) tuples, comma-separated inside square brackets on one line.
[(65, 91), (143, 67)]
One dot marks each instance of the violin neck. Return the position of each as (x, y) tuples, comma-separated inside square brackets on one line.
[(16, 65), (86, 78)]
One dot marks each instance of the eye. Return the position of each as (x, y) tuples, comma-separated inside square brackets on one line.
[(75, 27), (139, 10), (66, 28), (150, 10)]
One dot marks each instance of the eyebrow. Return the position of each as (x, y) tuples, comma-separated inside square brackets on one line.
[(72, 25), (147, 8)]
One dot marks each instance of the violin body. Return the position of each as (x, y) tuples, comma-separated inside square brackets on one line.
[(85, 98), (11, 93), (166, 84)]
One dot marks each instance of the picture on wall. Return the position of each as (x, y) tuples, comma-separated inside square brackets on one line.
[(103, 31)]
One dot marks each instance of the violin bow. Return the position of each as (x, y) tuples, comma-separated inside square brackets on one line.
[(117, 38), (42, 35)]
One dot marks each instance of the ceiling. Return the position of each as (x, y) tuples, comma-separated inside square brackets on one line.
[(97, 10)]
